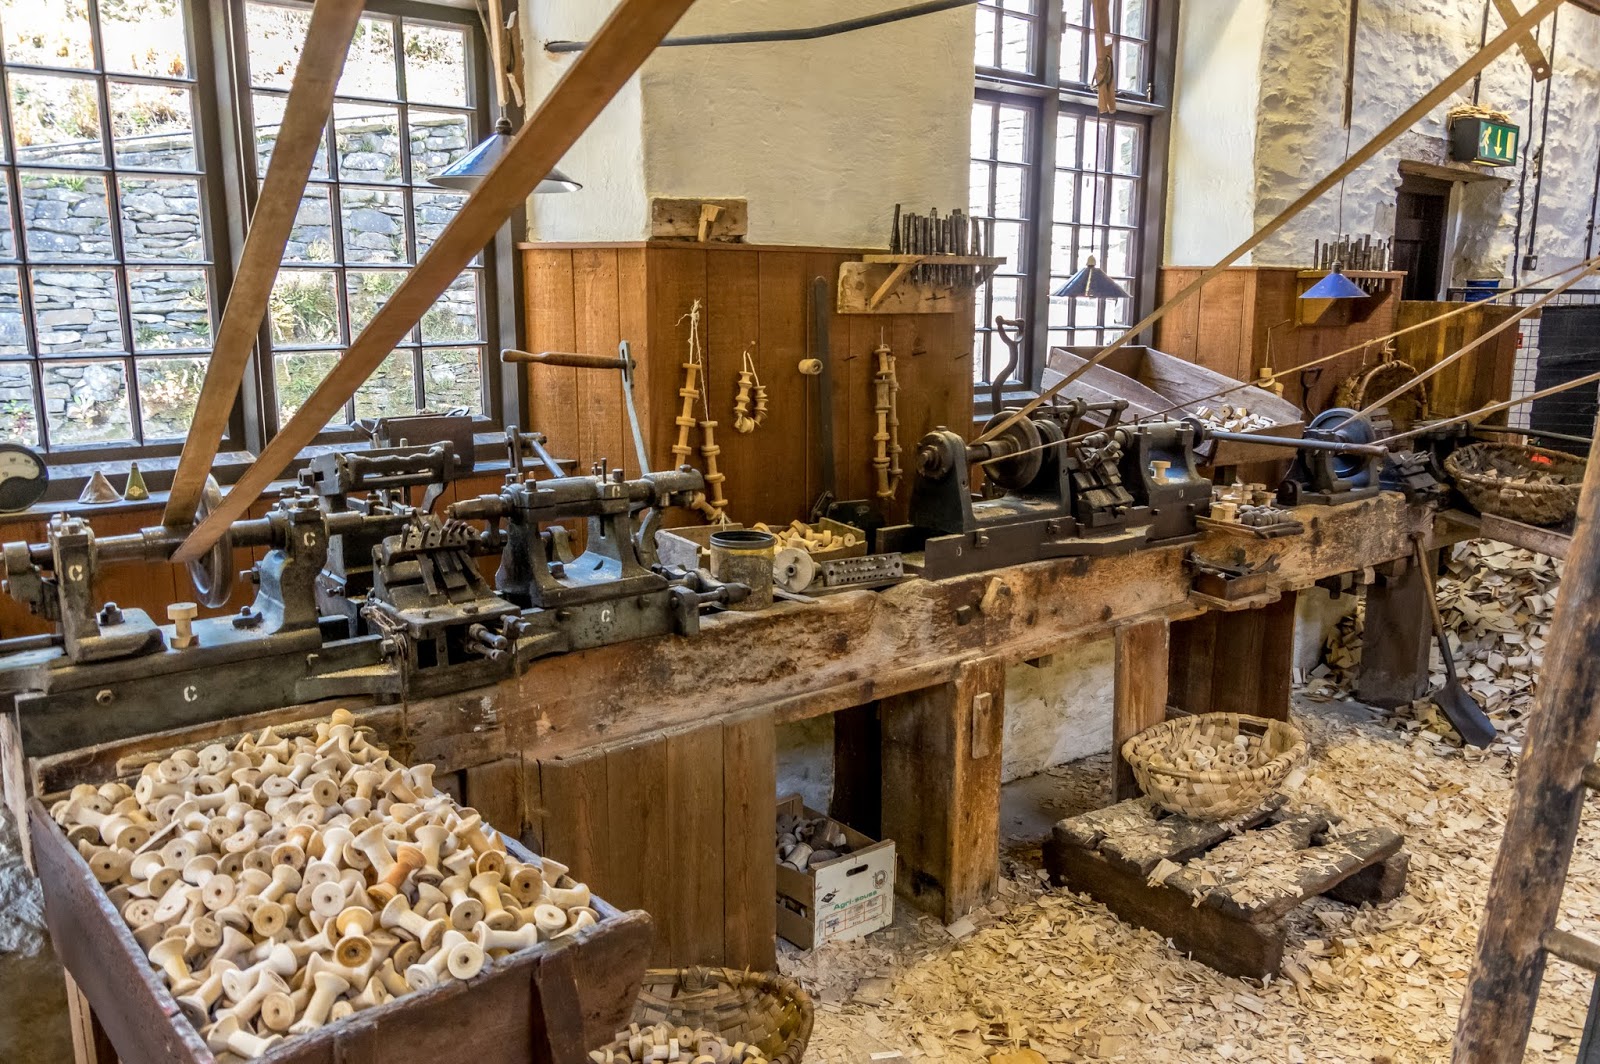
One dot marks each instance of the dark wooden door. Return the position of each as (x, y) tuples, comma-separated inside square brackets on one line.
[(1419, 241)]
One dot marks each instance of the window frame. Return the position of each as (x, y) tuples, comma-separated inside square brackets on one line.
[(1043, 89), (218, 50)]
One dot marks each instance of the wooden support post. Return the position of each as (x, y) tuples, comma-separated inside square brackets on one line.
[(1395, 639), (941, 789), (1140, 698), (1536, 848), (1235, 662), (857, 762), (90, 1045)]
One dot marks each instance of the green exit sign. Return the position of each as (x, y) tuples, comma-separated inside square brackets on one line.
[(1480, 140)]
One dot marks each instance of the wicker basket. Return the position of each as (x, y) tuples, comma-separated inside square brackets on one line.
[(762, 1009), (1157, 756), (1510, 494), (1359, 389)]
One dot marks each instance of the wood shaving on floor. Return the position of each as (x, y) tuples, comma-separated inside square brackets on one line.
[(1052, 972), (1496, 602)]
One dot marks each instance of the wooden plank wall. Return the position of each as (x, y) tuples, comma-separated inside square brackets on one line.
[(587, 298), (1482, 377), (153, 587), (679, 825), (1224, 326)]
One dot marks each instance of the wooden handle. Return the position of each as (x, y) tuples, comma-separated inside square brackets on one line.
[(562, 358)]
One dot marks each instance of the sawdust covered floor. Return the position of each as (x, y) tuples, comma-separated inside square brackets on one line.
[(1053, 971)]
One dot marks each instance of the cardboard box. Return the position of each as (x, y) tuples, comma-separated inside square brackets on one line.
[(843, 898)]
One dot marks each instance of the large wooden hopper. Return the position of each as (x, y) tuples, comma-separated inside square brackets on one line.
[(1151, 381)]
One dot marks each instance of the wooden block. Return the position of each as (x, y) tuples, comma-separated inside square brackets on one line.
[(1175, 838), (1233, 947), (576, 818), (749, 789), (693, 920), (533, 811), (679, 218), (1140, 698), (90, 1045), (941, 805), (1382, 881)]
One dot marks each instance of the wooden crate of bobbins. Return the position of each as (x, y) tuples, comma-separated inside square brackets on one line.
[(550, 1002)]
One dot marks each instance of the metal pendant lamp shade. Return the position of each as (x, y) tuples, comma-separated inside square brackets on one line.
[(465, 173), (1334, 286), (1091, 282)]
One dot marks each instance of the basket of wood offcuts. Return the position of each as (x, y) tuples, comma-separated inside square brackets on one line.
[(1524, 483), (713, 1016), (1214, 766)]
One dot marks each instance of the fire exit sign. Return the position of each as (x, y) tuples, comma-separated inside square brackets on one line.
[(1480, 140)]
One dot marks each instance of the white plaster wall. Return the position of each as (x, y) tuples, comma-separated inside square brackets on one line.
[(822, 137), (1060, 712), (609, 158), (1211, 165), (1404, 48)]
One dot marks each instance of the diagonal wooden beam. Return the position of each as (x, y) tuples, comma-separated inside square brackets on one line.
[(302, 132), (1438, 95), (616, 53), (1527, 44)]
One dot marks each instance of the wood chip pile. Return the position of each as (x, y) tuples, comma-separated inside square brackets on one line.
[(1048, 971), (1497, 602)]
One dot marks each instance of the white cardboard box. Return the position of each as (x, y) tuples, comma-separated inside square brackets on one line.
[(844, 898)]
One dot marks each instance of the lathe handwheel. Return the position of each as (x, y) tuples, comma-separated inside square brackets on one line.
[(212, 572), (1017, 471)]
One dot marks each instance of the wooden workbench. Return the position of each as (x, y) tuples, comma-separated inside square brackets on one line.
[(649, 766)]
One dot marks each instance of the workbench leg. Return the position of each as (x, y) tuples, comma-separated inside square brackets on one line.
[(1239, 662), (1140, 698), (1395, 639), (89, 1042), (941, 789)]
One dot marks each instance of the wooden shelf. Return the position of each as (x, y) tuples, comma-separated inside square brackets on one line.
[(877, 284), (1377, 283)]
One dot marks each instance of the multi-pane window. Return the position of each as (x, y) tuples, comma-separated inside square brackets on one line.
[(107, 283), (402, 112), (1057, 181), (114, 234)]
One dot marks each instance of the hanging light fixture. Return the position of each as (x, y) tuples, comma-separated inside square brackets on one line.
[(1335, 285), (465, 173), (1091, 282), (468, 171)]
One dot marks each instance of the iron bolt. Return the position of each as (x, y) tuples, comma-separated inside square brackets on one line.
[(104, 697), (110, 614)]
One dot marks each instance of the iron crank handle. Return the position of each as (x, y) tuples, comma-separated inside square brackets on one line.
[(563, 358)]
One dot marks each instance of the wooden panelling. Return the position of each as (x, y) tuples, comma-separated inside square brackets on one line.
[(1478, 379), (751, 297)]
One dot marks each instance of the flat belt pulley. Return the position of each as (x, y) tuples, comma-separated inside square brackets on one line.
[(1342, 425), (212, 572), (1019, 449)]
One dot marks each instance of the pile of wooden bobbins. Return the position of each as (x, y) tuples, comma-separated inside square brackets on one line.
[(661, 1044), (802, 536), (287, 882)]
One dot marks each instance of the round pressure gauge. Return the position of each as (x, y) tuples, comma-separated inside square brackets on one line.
[(23, 478)]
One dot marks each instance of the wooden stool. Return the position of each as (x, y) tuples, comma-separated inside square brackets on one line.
[(1222, 891)]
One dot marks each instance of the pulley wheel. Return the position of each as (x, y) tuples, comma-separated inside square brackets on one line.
[(212, 572), (1342, 425), (1016, 471), (793, 569)]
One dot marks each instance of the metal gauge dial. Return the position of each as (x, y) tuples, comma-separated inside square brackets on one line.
[(23, 478)]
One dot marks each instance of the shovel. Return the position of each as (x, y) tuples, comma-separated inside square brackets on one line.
[(1463, 711)]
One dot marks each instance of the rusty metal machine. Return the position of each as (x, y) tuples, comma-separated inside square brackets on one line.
[(1051, 491), (359, 593)]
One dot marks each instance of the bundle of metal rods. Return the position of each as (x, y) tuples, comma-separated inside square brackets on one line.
[(1353, 253), (957, 233)]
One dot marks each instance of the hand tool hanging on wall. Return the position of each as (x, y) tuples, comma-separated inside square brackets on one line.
[(715, 507), (886, 460), (1432, 99), (624, 362)]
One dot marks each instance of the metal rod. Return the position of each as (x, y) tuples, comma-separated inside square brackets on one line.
[(1495, 408), (807, 33)]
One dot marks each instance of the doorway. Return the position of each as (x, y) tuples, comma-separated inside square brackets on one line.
[(1421, 207)]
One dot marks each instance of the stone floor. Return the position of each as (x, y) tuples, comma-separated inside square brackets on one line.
[(33, 1006)]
